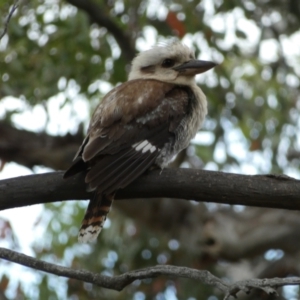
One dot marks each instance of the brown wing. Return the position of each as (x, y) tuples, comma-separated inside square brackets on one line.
[(127, 132)]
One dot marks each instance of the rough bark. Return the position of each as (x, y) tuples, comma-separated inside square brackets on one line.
[(199, 185), (247, 234)]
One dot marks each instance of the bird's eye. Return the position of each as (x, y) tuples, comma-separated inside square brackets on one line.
[(168, 63)]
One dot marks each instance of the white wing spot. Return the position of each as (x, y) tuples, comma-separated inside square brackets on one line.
[(144, 146), (152, 149), (148, 147), (141, 145)]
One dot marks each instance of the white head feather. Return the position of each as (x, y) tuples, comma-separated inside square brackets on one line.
[(148, 64)]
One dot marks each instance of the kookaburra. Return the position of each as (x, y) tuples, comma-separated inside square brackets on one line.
[(141, 123)]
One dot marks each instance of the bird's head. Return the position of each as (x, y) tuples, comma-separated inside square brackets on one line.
[(174, 63)]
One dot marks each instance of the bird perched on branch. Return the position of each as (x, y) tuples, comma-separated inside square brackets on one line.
[(139, 124)]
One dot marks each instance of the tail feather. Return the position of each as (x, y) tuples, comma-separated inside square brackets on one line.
[(95, 217)]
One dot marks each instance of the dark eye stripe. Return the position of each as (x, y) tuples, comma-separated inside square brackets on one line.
[(148, 69)]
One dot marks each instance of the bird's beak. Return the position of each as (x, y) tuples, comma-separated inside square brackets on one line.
[(194, 67)]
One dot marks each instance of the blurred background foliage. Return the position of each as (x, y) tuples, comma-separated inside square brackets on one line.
[(58, 60)]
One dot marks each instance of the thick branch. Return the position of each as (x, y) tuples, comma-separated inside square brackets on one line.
[(252, 232), (30, 148), (120, 282), (97, 15), (199, 185)]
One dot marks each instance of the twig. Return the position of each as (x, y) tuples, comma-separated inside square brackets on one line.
[(121, 281), (14, 7)]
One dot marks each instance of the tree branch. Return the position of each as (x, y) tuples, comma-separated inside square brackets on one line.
[(97, 15), (261, 190), (121, 281), (276, 191), (14, 7), (31, 148)]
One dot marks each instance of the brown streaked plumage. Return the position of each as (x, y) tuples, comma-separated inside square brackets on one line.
[(142, 122)]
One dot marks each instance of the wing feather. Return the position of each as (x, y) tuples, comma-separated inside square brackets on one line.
[(127, 132), (130, 169), (119, 109)]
